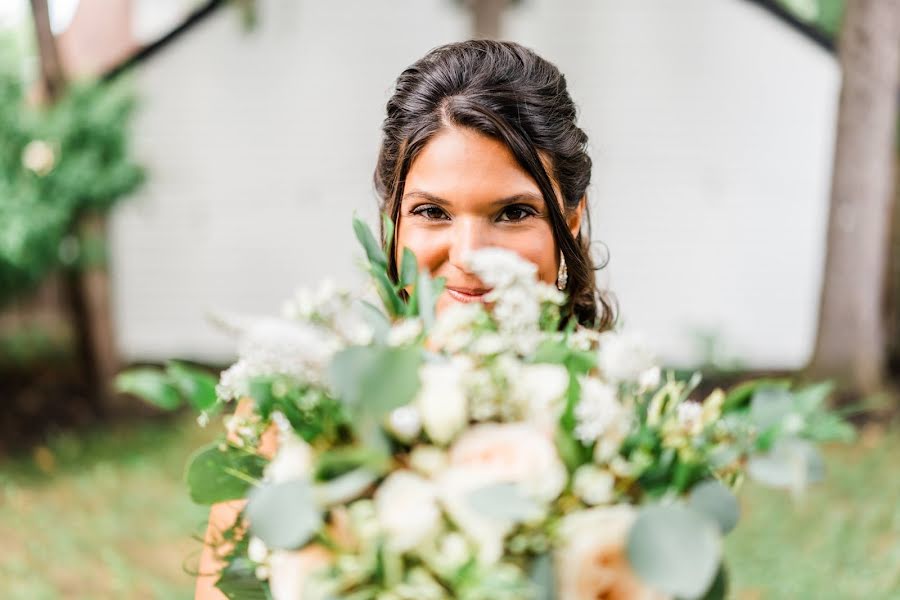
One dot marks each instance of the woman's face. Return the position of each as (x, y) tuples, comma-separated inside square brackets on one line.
[(465, 191)]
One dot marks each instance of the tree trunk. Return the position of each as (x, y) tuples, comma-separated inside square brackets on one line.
[(86, 289), (487, 17), (851, 340)]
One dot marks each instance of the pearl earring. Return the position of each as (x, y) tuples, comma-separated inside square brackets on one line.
[(562, 276)]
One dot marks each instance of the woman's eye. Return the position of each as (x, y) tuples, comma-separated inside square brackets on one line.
[(516, 213), (431, 212)]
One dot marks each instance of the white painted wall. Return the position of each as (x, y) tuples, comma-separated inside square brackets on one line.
[(711, 124)]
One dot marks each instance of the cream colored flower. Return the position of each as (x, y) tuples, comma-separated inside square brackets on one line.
[(591, 562), (623, 357), (39, 157), (539, 389), (292, 461), (290, 571), (441, 400), (489, 454), (406, 509), (515, 453), (594, 485)]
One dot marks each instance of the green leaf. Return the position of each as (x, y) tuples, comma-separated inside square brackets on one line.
[(238, 581), (714, 500), (373, 249), (377, 320), (373, 380), (151, 385), (284, 515), (408, 268), (543, 577), (812, 398), (388, 227), (196, 386), (211, 473), (344, 488), (740, 395), (386, 291), (769, 406), (791, 464), (427, 293), (675, 550), (504, 501), (719, 588)]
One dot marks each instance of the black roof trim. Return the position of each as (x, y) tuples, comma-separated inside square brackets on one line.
[(149, 50), (811, 32)]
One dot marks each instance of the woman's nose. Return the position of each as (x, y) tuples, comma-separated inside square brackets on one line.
[(467, 236)]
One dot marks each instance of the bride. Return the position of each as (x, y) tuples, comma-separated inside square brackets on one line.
[(480, 148)]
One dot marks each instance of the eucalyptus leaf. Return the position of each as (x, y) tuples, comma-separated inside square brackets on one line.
[(372, 248), (238, 581), (427, 293), (813, 398), (388, 227), (792, 463), (739, 396), (377, 320), (344, 488), (195, 385), (408, 269), (211, 472), (713, 499), (543, 577), (675, 549), (151, 385), (284, 515), (386, 291), (506, 501), (770, 405), (373, 380)]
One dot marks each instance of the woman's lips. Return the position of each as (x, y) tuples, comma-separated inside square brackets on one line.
[(467, 294)]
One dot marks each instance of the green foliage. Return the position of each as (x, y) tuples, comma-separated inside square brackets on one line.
[(284, 515), (57, 164), (824, 15), (675, 549), (220, 472), (171, 388), (373, 380), (396, 297)]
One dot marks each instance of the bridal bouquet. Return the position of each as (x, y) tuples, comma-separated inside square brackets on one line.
[(492, 452)]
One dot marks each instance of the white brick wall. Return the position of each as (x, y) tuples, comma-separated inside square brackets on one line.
[(711, 127)]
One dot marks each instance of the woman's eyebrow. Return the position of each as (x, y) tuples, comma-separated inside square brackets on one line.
[(520, 197)]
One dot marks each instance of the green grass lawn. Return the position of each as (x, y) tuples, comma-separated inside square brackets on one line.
[(106, 515)]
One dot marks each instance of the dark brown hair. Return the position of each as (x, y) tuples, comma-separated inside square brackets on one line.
[(509, 93)]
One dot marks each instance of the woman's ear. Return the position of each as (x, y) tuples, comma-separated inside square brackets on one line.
[(573, 219)]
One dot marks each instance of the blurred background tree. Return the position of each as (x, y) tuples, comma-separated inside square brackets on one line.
[(853, 333)]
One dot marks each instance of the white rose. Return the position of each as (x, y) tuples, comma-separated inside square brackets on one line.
[(257, 550), (442, 401), (428, 460), (491, 453), (623, 356), (540, 389), (599, 413), (593, 485), (515, 453), (290, 571), (293, 460), (591, 562), (406, 509)]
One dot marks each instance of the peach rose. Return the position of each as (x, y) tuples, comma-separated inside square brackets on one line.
[(489, 454), (592, 562)]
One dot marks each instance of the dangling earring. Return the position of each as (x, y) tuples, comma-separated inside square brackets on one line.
[(562, 276)]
